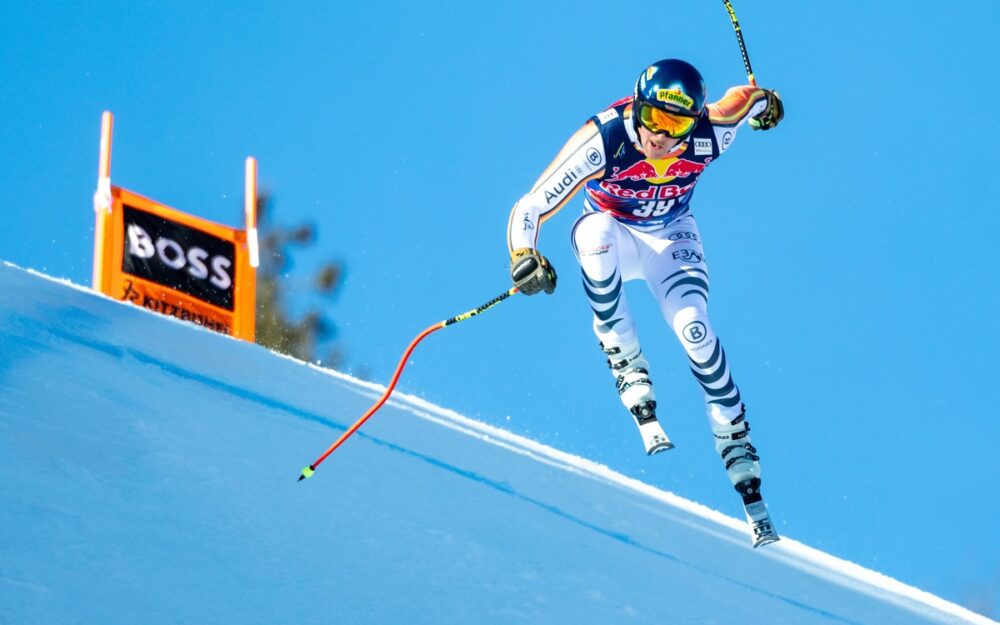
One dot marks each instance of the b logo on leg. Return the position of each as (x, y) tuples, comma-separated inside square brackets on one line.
[(694, 332)]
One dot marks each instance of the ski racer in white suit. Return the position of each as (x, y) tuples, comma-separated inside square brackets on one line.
[(638, 162)]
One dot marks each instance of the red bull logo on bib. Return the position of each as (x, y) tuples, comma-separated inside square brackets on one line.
[(659, 171)]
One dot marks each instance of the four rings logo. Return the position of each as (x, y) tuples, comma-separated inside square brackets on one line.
[(683, 236)]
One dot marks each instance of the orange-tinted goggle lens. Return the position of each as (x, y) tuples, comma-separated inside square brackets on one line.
[(657, 120)]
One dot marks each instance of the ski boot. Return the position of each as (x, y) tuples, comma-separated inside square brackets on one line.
[(636, 392), (732, 441)]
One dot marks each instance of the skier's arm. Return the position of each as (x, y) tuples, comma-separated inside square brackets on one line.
[(739, 105), (581, 159)]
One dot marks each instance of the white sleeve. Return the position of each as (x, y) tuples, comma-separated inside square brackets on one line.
[(580, 160)]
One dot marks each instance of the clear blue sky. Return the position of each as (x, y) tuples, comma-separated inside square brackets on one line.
[(851, 249)]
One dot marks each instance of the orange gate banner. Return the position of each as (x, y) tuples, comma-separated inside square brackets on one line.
[(173, 263)]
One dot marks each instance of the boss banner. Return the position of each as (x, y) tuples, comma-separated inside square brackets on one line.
[(171, 262), (178, 265), (175, 255)]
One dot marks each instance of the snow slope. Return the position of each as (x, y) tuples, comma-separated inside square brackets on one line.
[(148, 474)]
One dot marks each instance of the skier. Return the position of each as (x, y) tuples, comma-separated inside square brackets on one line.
[(639, 161)]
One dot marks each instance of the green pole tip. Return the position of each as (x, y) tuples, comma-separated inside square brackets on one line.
[(307, 473)]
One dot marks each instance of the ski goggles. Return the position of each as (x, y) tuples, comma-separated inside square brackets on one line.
[(659, 121)]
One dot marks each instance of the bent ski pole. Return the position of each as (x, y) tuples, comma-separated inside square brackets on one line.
[(739, 37), (308, 471)]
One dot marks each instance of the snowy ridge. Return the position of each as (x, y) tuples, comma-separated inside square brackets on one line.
[(790, 551), (150, 478)]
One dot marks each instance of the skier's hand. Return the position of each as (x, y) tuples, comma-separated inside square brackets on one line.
[(531, 272), (773, 114)]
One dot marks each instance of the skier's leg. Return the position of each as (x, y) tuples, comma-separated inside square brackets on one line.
[(609, 256), (678, 278)]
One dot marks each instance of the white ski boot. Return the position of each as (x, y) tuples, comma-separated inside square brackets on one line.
[(636, 392), (732, 441)]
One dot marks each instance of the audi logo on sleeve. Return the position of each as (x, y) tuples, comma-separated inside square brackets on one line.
[(177, 256)]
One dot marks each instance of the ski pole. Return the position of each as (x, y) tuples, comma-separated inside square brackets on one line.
[(308, 471), (739, 37)]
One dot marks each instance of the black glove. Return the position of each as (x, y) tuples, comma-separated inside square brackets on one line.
[(531, 272), (773, 114)]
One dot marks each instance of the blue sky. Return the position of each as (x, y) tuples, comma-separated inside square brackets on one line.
[(851, 249)]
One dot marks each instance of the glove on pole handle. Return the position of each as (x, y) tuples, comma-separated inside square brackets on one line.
[(308, 471), (739, 38)]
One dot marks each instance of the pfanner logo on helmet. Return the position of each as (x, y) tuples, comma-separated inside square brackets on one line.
[(674, 97)]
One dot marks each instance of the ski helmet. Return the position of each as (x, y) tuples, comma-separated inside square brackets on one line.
[(669, 97)]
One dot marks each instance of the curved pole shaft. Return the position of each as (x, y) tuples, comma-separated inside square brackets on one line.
[(308, 471)]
